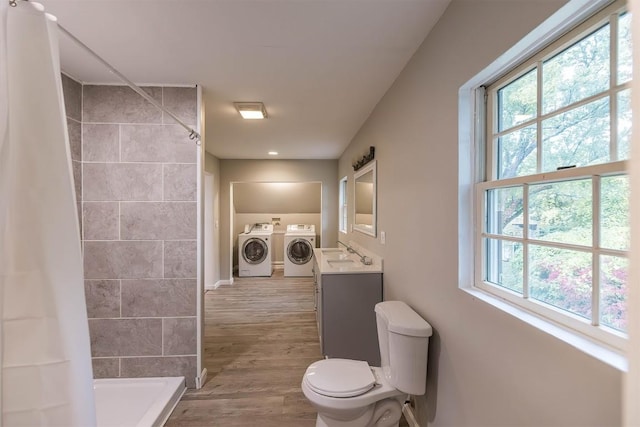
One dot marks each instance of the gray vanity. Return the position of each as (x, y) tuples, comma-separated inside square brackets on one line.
[(346, 292)]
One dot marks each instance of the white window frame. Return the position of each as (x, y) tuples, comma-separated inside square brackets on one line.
[(343, 205), (606, 346)]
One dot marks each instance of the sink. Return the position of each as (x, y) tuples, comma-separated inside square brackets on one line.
[(335, 254), (340, 262), (331, 251)]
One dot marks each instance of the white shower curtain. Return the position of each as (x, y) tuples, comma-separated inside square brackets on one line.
[(45, 351)]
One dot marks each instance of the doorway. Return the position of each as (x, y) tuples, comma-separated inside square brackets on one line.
[(276, 203)]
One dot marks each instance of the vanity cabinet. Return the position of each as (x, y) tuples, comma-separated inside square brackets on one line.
[(345, 314)]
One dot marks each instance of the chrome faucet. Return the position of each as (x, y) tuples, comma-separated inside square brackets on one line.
[(349, 248), (363, 259)]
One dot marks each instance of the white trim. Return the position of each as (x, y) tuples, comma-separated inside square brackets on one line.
[(200, 233), (603, 169), (601, 335), (362, 228), (200, 380), (211, 287), (631, 409)]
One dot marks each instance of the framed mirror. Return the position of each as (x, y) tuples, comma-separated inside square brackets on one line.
[(365, 200)]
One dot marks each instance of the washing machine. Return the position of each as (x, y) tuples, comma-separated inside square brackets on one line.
[(254, 251), (299, 241)]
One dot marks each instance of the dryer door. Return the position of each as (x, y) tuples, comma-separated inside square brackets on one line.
[(254, 250), (299, 251)]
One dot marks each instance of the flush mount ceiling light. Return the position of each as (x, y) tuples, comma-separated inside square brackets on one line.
[(273, 153), (251, 110)]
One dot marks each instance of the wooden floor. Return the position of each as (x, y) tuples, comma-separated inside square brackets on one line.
[(260, 336)]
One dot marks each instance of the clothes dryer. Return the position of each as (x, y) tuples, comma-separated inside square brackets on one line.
[(254, 251), (299, 241)]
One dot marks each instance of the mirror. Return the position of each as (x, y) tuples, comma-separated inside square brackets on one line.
[(365, 200)]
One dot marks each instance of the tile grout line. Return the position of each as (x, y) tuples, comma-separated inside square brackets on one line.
[(120, 280)]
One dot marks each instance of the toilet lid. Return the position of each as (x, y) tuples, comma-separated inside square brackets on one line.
[(340, 377)]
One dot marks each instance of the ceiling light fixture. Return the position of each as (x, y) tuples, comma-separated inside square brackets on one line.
[(273, 153), (251, 110)]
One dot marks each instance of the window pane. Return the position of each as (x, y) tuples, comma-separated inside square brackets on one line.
[(576, 73), (625, 61), (517, 101), (613, 291), (561, 212), (504, 211), (614, 212), (561, 278), (624, 124), (504, 264), (578, 137), (517, 153)]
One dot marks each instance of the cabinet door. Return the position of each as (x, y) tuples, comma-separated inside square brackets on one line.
[(317, 303), (348, 318)]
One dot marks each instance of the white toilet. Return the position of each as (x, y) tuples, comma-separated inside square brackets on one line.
[(350, 393)]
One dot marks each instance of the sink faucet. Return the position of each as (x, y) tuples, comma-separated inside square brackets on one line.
[(363, 259), (349, 248)]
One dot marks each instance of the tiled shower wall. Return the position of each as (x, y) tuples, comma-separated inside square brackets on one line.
[(139, 225)]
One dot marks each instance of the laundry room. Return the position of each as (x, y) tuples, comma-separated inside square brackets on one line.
[(279, 204), (277, 193)]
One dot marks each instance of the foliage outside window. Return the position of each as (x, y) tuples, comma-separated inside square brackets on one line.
[(342, 215), (554, 205)]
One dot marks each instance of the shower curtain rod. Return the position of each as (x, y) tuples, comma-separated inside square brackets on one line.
[(193, 135)]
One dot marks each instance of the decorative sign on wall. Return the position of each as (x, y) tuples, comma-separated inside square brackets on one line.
[(365, 159)]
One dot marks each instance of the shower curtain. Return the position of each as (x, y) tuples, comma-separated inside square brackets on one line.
[(46, 375)]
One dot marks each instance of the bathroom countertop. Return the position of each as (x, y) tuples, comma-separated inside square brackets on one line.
[(340, 261)]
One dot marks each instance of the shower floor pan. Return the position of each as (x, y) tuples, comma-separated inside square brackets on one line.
[(136, 402)]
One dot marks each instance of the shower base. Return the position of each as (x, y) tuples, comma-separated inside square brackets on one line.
[(136, 402)]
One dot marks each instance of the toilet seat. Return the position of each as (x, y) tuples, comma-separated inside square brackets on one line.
[(340, 377)]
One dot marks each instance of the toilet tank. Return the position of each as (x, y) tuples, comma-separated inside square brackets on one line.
[(404, 339)]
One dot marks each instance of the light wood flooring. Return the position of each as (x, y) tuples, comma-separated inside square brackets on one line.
[(260, 336)]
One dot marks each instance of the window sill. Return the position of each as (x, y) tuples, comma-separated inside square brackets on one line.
[(598, 351)]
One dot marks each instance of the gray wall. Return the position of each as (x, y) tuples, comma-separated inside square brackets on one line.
[(139, 210), (486, 368), (324, 171)]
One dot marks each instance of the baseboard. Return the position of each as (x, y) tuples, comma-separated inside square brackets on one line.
[(201, 379), (407, 411), (211, 287)]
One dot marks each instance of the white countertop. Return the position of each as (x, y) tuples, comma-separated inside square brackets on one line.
[(339, 261)]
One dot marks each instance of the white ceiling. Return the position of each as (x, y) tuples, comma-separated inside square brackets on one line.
[(319, 66)]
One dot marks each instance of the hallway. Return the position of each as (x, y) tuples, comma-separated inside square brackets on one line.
[(260, 335)]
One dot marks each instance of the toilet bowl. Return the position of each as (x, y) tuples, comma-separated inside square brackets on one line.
[(350, 393), (369, 401)]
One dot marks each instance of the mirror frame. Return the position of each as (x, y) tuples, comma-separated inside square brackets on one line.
[(363, 228)]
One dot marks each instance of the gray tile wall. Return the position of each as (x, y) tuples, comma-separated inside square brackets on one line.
[(139, 219)]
